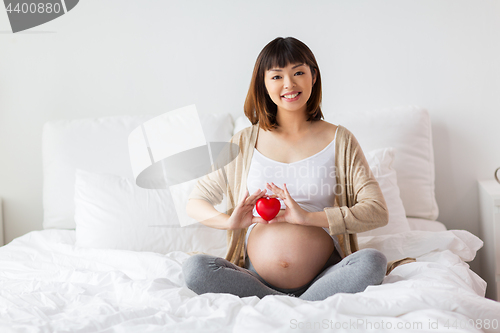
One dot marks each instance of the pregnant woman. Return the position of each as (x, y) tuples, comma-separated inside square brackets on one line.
[(319, 174)]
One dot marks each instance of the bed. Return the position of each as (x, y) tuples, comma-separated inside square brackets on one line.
[(110, 253)]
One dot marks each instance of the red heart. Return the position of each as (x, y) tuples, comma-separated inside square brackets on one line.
[(268, 208)]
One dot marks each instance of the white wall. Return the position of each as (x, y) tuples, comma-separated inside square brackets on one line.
[(114, 57)]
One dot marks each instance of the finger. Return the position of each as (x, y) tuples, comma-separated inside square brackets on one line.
[(258, 219), (244, 197), (275, 220), (279, 192), (284, 193), (286, 190), (272, 185), (257, 196), (272, 188), (261, 195)]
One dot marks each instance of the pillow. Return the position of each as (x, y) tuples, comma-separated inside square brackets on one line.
[(408, 130), (97, 145), (111, 212), (381, 161)]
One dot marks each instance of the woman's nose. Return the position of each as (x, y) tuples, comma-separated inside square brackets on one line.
[(288, 82)]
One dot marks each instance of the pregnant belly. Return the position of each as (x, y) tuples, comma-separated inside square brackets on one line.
[(288, 255)]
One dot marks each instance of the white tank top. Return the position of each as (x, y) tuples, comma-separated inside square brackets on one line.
[(311, 181)]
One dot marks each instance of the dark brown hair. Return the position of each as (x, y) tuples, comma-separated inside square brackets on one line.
[(280, 52)]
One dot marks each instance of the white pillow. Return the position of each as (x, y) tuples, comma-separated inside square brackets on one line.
[(112, 212), (380, 161), (408, 130), (98, 145)]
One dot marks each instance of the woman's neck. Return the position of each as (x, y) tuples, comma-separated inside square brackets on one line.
[(292, 124)]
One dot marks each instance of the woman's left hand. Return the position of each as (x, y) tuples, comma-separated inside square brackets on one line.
[(294, 214)]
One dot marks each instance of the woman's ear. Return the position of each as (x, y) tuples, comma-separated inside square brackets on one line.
[(313, 71)]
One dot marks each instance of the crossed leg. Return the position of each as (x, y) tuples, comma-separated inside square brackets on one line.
[(351, 275), (210, 274)]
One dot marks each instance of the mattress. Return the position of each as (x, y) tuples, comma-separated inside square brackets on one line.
[(47, 284)]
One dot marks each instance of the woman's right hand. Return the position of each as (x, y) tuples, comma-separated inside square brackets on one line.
[(242, 216)]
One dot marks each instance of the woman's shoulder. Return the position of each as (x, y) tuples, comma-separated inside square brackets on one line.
[(244, 137), (326, 126), (326, 129), (338, 128), (245, 133), (343, 135)]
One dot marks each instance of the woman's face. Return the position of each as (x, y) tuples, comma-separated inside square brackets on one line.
[(290, 87)]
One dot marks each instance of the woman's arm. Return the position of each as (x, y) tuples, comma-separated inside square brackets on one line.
[(240, 218), (203, 212), (209, 192), (351, 217), (316, 219), (361, 204)]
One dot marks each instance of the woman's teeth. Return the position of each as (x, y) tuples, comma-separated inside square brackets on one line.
[(291, 96)]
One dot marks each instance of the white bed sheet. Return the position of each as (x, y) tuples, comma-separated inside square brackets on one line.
[(49, 285)]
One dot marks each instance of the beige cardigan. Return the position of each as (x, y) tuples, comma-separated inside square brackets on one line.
[(359, 206)]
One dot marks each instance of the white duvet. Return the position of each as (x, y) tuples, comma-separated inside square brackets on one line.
[(49, 285)]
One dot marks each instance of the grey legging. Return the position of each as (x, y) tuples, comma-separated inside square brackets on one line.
[(210, 274)]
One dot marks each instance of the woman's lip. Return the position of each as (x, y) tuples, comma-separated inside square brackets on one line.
[(291, 99), (290, 93)]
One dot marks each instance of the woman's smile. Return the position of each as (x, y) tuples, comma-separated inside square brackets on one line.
[(291, 97)]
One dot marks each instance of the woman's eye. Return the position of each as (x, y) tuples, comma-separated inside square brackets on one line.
[(299, 73), (275, 77)]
